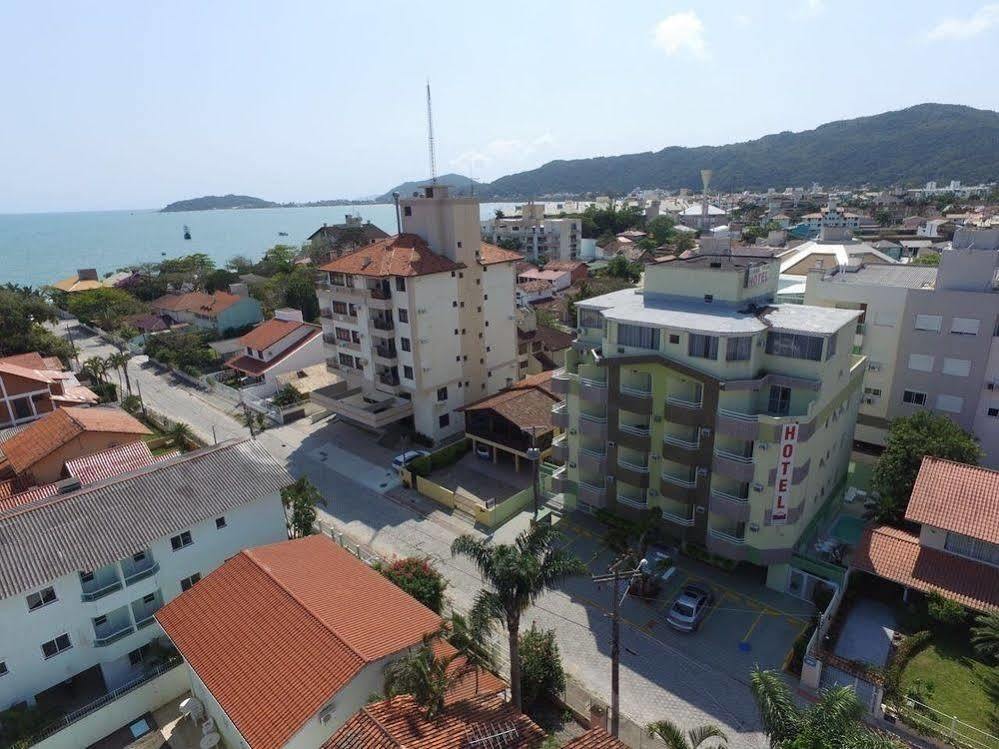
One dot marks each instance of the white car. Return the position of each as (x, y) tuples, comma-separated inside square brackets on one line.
[(404, 459)]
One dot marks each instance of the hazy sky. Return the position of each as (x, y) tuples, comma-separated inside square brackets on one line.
[(136, 104)]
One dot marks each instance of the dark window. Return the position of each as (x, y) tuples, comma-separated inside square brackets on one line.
[(189, 582), (442, 394), (149, 598), (41, 598), (56, 646), (702, 346), (738, 349), (342, 334), (340, 308), (831, 347), (794, 346), (914, 397), (86, 577), (485, 297), (444, 420), (407, 210), (780, 400), (638, 336), (454, 304), (180, 541), (100, 621), (404, 342), (220, 523), (674, 338), (3, 668), (22, 408), (347, 360), (407, 371), (400, 284), (459, 244), (994, 412), (141, 556), (709, 298), (403, 315)]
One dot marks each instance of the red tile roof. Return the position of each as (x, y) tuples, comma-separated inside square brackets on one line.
[(897, 555), (278, 630), (596, 738), (52, 431), (34, 360), (400, 255), (956, 497), (253, 366), (526, 403), (198, 302), (37, 375), (267, 333), (398, 723), (490, 254)]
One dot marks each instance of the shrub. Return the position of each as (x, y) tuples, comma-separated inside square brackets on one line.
[(944, 610), (420, 466), (541, 673), (132, 404), (106, 391), (904, 653), (288, 396), (418, 578), (799, 647)]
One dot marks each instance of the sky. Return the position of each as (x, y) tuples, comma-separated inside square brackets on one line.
[(117, 105)]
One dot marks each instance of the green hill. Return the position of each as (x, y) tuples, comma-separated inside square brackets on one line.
[(907, 147), (460, 185), (217, 202)]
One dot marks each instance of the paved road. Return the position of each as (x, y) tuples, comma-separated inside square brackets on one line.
[(660, 677)]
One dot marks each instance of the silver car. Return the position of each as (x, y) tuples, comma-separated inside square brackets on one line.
[(690, 607)]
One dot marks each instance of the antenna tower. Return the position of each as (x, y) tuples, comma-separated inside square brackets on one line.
[(430, 138)]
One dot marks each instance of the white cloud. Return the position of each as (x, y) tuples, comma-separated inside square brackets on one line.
[(978, 22), (814, 7), (742, 19), (681, 33), (502, 156)]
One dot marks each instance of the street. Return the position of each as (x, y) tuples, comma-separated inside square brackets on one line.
[(689, 679)]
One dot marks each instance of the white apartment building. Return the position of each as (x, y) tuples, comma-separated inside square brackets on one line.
[(83, 571), (424, 321), (539, 236)]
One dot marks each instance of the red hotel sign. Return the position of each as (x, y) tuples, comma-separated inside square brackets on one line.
[(785, 468)]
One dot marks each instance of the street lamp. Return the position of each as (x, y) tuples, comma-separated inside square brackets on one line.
[(534, 455)]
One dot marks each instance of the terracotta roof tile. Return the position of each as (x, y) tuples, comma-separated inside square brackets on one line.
[(253, 366), (197, 301), (956, 497), (267, 333), (54, 430), (398, 723), (490, 254), (897, 555), (526, 403), (595, 738), (400, 255), (33, 360), (278, 630), (532, 286)]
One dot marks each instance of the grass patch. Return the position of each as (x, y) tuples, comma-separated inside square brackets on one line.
[(859, 475), (962, 686)]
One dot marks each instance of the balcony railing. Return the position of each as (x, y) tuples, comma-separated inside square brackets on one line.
[(391, 380), (727, 537), (99, 593), (103, 642), (674, 400), (386, 352), (381, 323), (730, 497), (594, 453), (637, 392), (142, 574), (671, 439), (146, 621), (591, 383), (636, 467), (733, 456), (674, 518), (592, 487), (641, 430), (686, 483), (640, 502), (739, 415), (326, 312), (590, 417)]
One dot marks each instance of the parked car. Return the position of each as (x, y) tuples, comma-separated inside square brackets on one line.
[(404, 459), (690, 607)]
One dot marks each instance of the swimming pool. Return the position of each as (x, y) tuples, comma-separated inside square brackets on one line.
[(848, 529)]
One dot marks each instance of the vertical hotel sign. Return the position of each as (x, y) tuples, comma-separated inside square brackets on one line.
[(785, 468)]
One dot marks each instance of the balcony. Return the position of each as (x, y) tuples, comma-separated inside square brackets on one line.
[(726, 543), (561, 381), (684, 482), (738, 424), (592, 494), (102, 582), (326, 312), (560, 416), (560, 480), (387, 353), (728, 505), (592, 391), (391, 380), (678, 441), (637, 501), (560, 448), (383, 323), (350, 345), (592, 461), (636, 398), (142, 573), (593, 426), (686, 519), (734, 465), (684, 411)]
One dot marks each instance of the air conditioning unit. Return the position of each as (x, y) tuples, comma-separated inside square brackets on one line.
[(326, 714), (757, 487), (702, 471)]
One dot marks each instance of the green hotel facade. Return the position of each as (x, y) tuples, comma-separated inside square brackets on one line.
[(699, 397)]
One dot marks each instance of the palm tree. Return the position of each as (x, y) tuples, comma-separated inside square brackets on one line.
[(470, 636), (675, 738), (181, 435), (112, 363), (985, 635), (120, 362), (836, 719), (95, 368), (517, 574), (424, 676)]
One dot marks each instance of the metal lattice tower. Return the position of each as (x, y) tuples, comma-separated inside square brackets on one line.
[(430, 138)]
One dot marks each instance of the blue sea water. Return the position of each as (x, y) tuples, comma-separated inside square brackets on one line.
[(39, 248)]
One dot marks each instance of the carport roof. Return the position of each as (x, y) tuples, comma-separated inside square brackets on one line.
[(896, 555), (527, 403), (956, 497)]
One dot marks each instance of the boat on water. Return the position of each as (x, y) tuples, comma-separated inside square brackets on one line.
[(187, 232), (282, 234)]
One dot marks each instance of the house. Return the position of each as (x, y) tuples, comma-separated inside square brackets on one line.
[(512, 421), (956, 551), (539, 347), (595, 738), (285, 642), (702, 399), (37, 453), (558, 279), (337, 239), (399, 723), (282, 344), (32, 386), (528, 292), (85, 279), (696, 217), (77, 604), (422, 322), (221, 312), (578, 270)]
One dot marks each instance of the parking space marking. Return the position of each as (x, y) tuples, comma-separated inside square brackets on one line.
[(748, 600), (669, 591), (753, 626)]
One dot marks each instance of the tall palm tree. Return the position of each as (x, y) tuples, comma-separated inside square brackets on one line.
[(181, 435), (470, 637), (985, 635), (675, 738), (424, 676), (120, 362), (517, 574), (111, 362), (836, 719), (95, 368)]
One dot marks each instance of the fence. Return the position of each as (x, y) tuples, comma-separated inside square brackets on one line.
[(928, 721)]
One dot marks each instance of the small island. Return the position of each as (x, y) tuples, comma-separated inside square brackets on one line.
[(218, 203)]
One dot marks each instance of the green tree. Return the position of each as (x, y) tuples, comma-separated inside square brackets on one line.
[(470, 636), (620, 267), (23, 314), (104, 307), (278, 259), (930, 258), (517, 574), (985, 635), (835, 721), (299, 501), (661, 229), (424, 676), (685, 241), (196, 264), (629, 540), (418, 578), (219, 280), (239, 264), (95, 369), (300, 293), (674, 737), (909, 439), (119, 361), (509, 243), (181, 435), (541, 672), (884, 217), (287, 396)]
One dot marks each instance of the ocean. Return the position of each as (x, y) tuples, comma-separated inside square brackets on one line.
[(40, 248)]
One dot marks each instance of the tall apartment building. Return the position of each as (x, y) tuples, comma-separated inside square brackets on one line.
[(930, 336), (539, 236), (424, 321), (698, 397), (85, 568)]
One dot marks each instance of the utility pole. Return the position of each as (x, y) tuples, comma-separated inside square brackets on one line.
[(138, 386), (616, 575), (534, 455)]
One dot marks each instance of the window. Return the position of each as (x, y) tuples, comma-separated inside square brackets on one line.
[(638, 336), (590, 318), (42, 598), (340, 308), (709, 298), (139, 557), (220, 523), (794, 346), (100, 621), (674, 338), (407, 210), (965, 326), (957, 367), (136, 656), (921, 362), (442, 394), (831, 347), (400, 283), (993, 412), (404, 342), (347, 360), (444, 420), (180, 541), (58, 645), (702, 346), (342, 334), (914, 397), (974, 548), (407, 371), (403, 315), (189, 582), (876, 392), (738, 349), (86, 577), (3, 668), (931, 323), (780, 400), (149, 598), (22, 408), (952, 404)]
